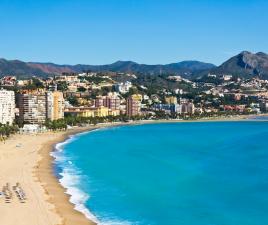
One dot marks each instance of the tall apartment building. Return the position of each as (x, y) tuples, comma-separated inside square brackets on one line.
[(54, 105), (37, 106), (187, 108), (32, 107), (7, 106), (112, 101), (99, 101), (191, 108), (133, 105)]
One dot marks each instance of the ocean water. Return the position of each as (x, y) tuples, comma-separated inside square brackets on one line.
[(205, 173)]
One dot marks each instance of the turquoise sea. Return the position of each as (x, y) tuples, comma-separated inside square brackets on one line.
[(204, 173)]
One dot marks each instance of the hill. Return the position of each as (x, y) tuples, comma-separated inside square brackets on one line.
[(245, 64), (24, 69), (19, 68), (185, 68)]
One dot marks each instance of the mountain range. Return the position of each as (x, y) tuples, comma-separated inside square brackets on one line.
[(24, 69), (245, 64)]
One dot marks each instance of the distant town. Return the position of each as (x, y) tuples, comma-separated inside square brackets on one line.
[(71, 99)]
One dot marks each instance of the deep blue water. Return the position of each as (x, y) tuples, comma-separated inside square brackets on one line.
[(207, 173)]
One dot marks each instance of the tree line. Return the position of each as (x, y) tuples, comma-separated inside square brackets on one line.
[(69, 120), (6, 130)]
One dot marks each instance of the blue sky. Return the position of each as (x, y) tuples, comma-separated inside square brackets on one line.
[(145, 31)]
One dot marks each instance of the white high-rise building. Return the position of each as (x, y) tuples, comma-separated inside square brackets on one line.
[(7, 106)]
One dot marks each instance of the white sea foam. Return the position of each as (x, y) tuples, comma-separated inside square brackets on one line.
[(59, 147), (71, 179), (112, 222)]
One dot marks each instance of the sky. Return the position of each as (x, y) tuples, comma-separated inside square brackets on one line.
[(145, 31)]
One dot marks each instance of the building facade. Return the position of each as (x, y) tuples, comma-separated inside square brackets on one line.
[(88, 111), (38, 105), (133, 106), (171, 100), (7, 107), (32, 107), (187, 108), (55, 105), (112, 101), (99, 101)]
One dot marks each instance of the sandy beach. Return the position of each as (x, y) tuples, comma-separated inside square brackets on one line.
[(26, 159)]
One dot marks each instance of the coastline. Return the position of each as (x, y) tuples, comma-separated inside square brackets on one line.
[(54, 188), (42, 186), (57, 193), (50, 183)]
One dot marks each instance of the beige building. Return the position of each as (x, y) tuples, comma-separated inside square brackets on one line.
[(90, 111), (55, 105), (171, 100), (7, 106)]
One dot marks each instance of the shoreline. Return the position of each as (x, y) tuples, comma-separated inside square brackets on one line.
[(51, 183), (52, 186), (77, 131), (47, 197)]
